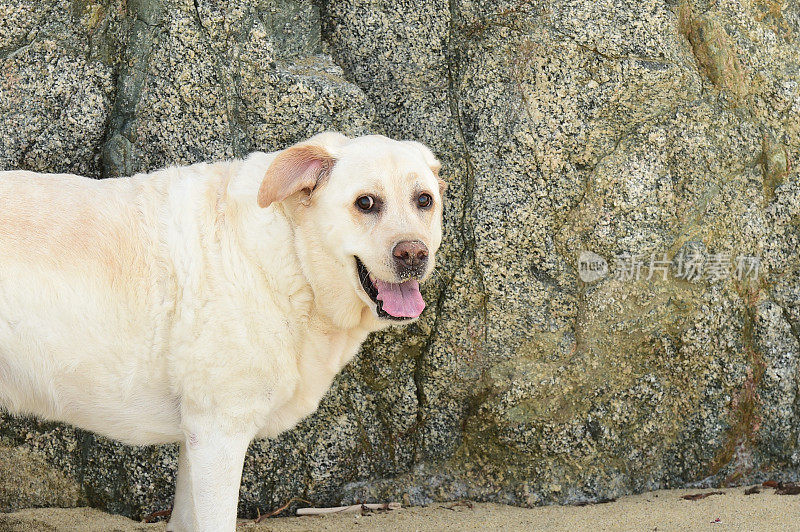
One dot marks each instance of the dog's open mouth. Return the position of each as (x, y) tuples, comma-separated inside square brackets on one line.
[(394, 301)]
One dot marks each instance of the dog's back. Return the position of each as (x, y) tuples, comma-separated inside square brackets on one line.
[(77, 333)]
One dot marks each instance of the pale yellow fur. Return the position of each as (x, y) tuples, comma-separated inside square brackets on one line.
[(171, 307)]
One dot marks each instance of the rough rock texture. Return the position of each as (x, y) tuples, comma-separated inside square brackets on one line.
[(618, 127), (29, 481)]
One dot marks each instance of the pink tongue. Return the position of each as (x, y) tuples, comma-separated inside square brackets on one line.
[(400, 300)]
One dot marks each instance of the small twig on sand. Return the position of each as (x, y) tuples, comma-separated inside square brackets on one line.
[(468, 504), (279, 510), (349, 509), (698, 496), (788, 488), (155, 515), (783, 488)]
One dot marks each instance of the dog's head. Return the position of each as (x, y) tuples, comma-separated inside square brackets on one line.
[(368, 213)]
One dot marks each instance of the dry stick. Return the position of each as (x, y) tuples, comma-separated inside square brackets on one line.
[(698, 496), (347, 509), (153, 516), (282, 508), (468, 504)]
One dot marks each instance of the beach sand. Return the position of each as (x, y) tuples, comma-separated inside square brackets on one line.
[(660, 510)]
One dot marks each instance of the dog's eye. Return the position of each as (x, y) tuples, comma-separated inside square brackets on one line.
[(365, 203), (424, 201)]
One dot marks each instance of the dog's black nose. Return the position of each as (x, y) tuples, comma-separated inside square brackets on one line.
[(410, 255)]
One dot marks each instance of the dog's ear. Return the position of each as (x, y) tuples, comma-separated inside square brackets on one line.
[(432, 161), (302, 167)]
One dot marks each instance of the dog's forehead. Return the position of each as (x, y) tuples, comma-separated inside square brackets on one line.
[(378, 161)]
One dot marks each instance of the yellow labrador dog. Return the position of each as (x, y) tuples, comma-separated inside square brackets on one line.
[(210, 304)]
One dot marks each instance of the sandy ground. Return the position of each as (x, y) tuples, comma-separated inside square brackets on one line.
[(661, 511)]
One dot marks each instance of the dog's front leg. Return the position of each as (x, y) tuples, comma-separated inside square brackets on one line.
[(214, 456), (182, 518)]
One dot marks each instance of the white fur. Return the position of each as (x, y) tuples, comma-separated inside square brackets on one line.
[(170, 307)]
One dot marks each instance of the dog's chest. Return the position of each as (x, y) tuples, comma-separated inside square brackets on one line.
[(321, 356)]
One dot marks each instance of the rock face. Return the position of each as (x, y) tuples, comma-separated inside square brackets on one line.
[(640, 131), (29, 481)]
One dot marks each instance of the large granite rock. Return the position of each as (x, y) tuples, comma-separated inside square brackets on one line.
[(622, 128), (28, 480)]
